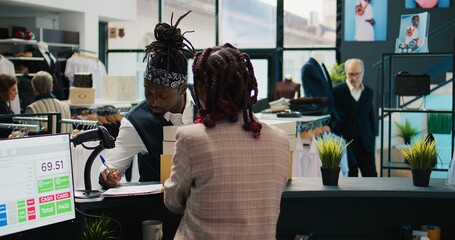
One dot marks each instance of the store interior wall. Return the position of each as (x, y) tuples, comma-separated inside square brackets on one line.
[(80, 16), (441, 37)]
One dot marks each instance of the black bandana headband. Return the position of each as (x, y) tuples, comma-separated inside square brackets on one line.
[(164, 78)]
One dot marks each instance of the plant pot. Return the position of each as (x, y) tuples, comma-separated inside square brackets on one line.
[(421, 177), (330, 176)]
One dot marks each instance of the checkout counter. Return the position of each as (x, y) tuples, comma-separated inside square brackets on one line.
[(358, 208)]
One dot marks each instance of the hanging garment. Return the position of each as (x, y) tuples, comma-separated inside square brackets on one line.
[(86, 63), (50, 65)]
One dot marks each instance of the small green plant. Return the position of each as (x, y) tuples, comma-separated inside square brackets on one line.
[(406, 131), (100, 228), (338, 75), (421, 154), (330, 149)]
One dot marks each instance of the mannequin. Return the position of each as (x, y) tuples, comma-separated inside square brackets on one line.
[(287, 88), (48, 56), (50, 65), (316, 81)]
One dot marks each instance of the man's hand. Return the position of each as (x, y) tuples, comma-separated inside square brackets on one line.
[(371, 21), (110, 178)]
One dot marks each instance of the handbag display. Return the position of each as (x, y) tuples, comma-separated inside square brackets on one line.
[(83, 80)]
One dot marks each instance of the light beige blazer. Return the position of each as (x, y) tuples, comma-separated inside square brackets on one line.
[(227, 184)]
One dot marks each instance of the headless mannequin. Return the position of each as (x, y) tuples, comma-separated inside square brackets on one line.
[(287, 88), (43, 48), (320, 59)]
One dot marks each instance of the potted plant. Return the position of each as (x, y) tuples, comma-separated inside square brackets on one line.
[(338, 74), (330, 149), (406, 131), (421, 155), (100, 228)]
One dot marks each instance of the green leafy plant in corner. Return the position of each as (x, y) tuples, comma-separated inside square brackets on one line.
[(331, 149), (406, 131), (421, 154), (100, 228), (338, 75)]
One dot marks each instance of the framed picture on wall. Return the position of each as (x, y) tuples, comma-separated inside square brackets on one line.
[(365, 20), (413, 36), (427, 4)]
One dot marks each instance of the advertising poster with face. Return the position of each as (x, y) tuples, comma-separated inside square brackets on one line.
[(365, 20), (413, 35)]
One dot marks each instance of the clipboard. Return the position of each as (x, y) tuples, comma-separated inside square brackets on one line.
[(133, 190)]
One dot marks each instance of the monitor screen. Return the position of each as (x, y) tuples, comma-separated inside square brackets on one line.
[(36, 182)]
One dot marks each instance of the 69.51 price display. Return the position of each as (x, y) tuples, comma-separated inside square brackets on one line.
[(51, 166)]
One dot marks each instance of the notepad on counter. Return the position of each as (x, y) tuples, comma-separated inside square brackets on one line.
[(133, 190)]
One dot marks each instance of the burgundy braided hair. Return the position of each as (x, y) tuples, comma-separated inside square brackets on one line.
[(171, 49), (225, 76)]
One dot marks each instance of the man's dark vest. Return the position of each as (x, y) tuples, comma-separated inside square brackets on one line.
[(149, 126)]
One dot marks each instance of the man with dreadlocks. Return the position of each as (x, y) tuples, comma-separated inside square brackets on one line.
[(229, 170), (168, 102)]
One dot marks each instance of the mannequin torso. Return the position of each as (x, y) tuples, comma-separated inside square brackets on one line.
[(287, 89)]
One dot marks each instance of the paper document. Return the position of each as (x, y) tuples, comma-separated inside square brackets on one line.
[(134, 190)]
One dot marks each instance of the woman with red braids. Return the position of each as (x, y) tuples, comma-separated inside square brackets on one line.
[(229, 170)]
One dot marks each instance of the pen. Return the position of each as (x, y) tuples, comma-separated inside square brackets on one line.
[(105, 164)]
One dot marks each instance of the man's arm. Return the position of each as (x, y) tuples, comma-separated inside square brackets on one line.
[(371, 21), (127, 145)]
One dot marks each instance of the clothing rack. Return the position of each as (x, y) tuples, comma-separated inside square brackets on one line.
[(86, 51), (50, 118), (90, 123), (103, 110), (82, 55), (311, 125), (38, 119), (19, 126)]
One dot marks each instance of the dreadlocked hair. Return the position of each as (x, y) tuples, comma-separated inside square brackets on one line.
[(171, 48), (226, 78)]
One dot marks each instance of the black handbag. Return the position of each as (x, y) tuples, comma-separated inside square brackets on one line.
[(83, 80), (407, 84)]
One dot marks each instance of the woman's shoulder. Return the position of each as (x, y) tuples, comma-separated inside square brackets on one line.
[(271, 130)]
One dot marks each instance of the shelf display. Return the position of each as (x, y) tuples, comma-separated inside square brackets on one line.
[(47, 52), (418, 109)]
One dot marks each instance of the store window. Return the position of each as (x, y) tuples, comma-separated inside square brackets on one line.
[(261, 71), (201, 20), (309, 23), (247, 24)]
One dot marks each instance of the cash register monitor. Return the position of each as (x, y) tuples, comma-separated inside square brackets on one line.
[(36, 183)]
